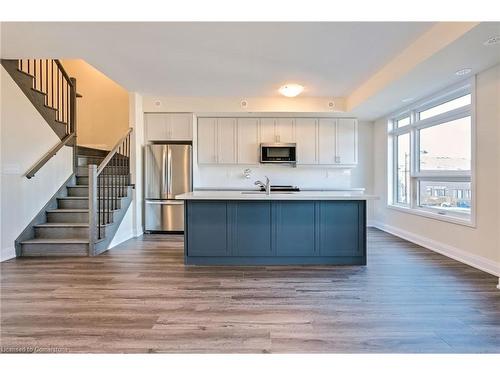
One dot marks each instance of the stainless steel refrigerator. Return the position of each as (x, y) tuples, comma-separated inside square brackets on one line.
[(168, 173)]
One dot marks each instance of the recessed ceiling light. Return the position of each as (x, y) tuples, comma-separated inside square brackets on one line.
[(463, 72), (406, 100), (492, 40), (291, 89)]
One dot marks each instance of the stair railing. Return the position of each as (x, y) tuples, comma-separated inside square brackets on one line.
[(50, 78), (108, 183)]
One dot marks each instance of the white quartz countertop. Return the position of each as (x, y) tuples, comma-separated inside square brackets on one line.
[(257, 195)]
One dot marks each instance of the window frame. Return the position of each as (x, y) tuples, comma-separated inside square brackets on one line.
[(416, 175)]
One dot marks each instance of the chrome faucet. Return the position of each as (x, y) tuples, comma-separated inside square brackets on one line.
[(266, 186)]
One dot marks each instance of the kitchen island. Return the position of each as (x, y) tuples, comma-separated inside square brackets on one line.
[(252, 228)]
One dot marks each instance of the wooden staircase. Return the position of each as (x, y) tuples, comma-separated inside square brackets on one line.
[(65, 231), (83, 216)]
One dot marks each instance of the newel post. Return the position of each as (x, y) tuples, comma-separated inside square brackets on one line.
[(93, 220), (72, 121)]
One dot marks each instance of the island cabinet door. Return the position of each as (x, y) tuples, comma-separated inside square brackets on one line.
[(341, 228), (294, 228), (251, 229), (207, 233)]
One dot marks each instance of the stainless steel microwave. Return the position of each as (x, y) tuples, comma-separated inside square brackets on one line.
[(278, 153)]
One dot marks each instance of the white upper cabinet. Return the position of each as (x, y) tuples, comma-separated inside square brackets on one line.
[(338, 141), (347, 141), (326, 141), (155, 126), (285, 130), (277, 130), (207, 140), (248, 140), (226, 140), (168, 126), (267, 130), (323, 141), (306, 134), (180, 127)]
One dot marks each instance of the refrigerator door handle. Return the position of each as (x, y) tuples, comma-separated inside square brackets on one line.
[(164, 171), (169, 173)]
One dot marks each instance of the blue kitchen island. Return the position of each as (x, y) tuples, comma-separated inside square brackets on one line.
[(252, 228)]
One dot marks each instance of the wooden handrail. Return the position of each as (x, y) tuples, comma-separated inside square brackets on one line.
[(51, 153), (63, 72), (112, 153)]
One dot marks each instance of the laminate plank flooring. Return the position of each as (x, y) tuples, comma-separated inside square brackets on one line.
[(139, 297)]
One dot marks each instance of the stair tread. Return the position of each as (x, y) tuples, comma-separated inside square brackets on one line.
[(64, 225), (69, 225), (74, 210), (68, 210), (85, 198), (55, 240)]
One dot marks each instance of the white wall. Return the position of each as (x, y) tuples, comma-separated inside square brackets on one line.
[(25, 138), (479, 246)]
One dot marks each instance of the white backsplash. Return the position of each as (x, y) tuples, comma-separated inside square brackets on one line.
[(305, 177)]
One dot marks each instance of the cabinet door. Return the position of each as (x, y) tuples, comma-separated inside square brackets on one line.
[(207, 140), (340, 228), (226, 128), (248, 141), (285, 130), (180, 127), (207, 228), (251, 233), (306, 135), (295, 228), (156, 126), (347, 141), (267, 130), (326, 141)]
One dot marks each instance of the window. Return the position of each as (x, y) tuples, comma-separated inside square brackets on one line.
[(446, 146), (403, 168), (431, 148)]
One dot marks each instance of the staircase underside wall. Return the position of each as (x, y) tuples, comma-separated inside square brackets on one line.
[(26, 136)]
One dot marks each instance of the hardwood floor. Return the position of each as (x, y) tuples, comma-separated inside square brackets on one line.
[(139, 297)]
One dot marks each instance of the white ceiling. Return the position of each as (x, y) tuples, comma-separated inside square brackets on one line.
[(220, 59), (437, 72)]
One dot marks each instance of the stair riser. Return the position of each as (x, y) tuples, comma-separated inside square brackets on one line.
[(77, 203), (83, 170), (109, 180), (75, 217), (54, 249), (76, 191), (68, 217), (84, 204), (87, 160), (62, 232)]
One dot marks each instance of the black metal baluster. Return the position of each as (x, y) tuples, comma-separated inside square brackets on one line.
[(99, 182), (46, 82), (57, 94), (52, 83)]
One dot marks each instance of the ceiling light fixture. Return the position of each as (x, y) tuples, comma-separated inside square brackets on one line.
[(406, 100), (291, 90), (492, 40), (463, 72)]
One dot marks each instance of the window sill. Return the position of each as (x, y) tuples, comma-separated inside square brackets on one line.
[(431, 215)]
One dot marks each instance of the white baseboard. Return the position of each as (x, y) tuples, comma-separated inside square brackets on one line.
[(472, 260), (8, 253)]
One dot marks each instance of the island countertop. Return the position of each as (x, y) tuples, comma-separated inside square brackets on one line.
[(258, 195)]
